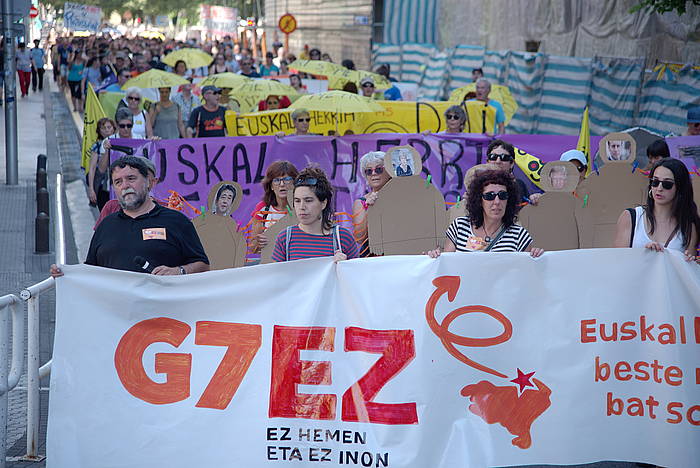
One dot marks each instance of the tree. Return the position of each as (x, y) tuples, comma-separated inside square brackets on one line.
[(663, 6)]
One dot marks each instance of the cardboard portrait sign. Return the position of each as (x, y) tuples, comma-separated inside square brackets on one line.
[(601, 199), (618, 147), (223, 243), (695, 181), (403, 161), (409, 217), (273, 230), (552, 222)]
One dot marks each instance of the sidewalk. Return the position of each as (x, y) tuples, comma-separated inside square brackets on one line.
[(19, 265)]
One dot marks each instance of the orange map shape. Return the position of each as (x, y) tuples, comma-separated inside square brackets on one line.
[(504, 406)]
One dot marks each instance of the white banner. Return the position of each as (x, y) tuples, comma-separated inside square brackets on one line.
[(79, 17), (471, 360)]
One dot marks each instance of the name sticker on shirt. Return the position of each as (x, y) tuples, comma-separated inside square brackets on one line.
[(153, 233)]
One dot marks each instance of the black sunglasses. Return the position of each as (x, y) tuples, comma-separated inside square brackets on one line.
[(666, 184), (502, 157), (126, 125), (452, 117), (377, 170), (306, 181), (491, 196), (134, 98), (302, 119), (368, 85)]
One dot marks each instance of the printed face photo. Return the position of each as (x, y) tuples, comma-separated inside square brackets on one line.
[(224, 198), (558, 177), (618, 150), (402, 161)]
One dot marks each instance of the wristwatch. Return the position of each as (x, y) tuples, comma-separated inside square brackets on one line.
[(182, 270)]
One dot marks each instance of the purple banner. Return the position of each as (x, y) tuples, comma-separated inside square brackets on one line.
[(687, 149), (192, 166)]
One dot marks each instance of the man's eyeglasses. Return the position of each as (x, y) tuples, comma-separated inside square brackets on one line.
[(377, 170), (305, 181), (491, 196), (126, 125), (452, 117), (580, 167), (666, 184), (282, 180), (134, 98), (368, 85), (502, 157), (304, 119)]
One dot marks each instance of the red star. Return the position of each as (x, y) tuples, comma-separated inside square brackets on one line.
[(523, 380)]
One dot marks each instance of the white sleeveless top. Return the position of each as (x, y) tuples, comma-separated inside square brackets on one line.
[(641, 238), (138, 131)]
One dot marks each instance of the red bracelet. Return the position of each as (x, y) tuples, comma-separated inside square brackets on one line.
[(364, 204)]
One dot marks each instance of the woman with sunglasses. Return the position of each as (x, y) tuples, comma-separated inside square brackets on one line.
[(315, 235), (142, 124), (502, 154), (455, 119), (669, 220), (490, 224), (98, 180), (372, 168), (278, 182)]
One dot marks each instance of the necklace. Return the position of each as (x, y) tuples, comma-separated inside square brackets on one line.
[(488, 238)]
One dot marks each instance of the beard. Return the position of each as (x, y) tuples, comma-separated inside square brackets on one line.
[(134, 202)]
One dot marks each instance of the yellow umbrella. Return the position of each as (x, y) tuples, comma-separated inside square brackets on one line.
[(338, 75), (260, 89), (339, 102), (194, 58), (152, 35), (154, 78), (498, 93), (224, 80)]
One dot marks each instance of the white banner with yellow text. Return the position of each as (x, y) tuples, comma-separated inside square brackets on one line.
[(471, 360)]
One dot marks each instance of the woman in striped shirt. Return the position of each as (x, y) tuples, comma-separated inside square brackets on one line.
[(315, 235), (490, 221)]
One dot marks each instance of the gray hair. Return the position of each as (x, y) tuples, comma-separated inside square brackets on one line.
[(124, 114), (485, 81), (134, 90), (373, 157), (298, 113), (460, 113)]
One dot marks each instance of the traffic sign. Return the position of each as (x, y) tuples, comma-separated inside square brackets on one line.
[(33, 12), (287, 23)]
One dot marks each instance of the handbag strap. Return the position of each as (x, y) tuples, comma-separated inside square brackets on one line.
[(493, 242), (633, 215)]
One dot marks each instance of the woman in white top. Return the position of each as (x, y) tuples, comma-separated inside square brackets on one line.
[(670, 218), (142, 125)]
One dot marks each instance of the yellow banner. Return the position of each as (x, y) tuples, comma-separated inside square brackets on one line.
[(93, 113), (399, 117)]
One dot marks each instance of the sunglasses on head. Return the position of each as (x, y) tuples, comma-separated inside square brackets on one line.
[(282, 180), (305, 181), (502, 157), (666, 184), (377, 170), (126, 125), (452, 117), (304, 119), (490, 196)]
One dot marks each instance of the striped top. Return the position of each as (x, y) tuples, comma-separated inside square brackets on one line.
[(303, 245), (515, 239)]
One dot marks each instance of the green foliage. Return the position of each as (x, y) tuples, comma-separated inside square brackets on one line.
[(663, 6)]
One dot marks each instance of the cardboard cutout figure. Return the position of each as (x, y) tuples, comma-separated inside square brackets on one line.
[(223, 243), (601, 198), (695, 182), (617, 147), (280, 225), (410, 216), (552, 222)]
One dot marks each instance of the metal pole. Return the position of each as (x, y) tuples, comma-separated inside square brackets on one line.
[(9, 379), (12, 175), (32, 376), (59, 234), (4, 351)]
